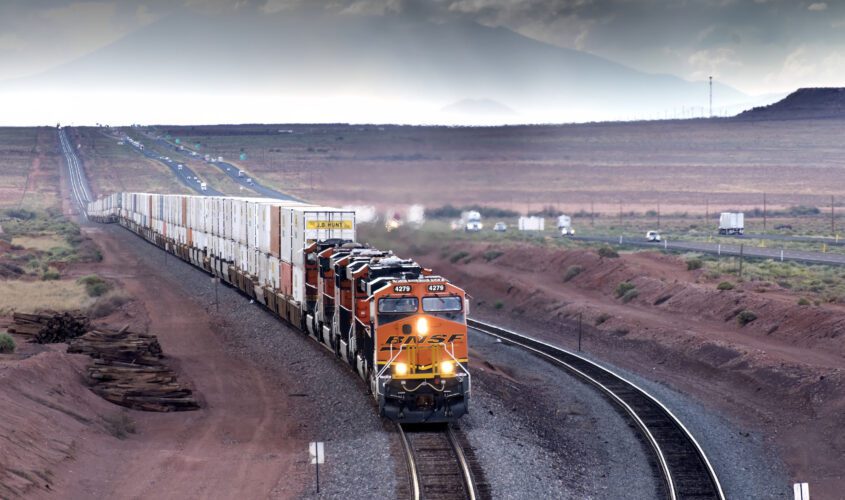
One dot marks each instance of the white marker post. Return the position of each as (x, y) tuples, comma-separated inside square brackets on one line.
[(802, 491), (318, 457)]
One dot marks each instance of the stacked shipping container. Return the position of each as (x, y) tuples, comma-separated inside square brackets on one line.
[(261, 238)]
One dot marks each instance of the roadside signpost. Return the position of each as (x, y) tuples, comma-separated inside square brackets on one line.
[(318, 457)]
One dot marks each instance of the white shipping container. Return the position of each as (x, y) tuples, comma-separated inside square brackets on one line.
[(532, 223)]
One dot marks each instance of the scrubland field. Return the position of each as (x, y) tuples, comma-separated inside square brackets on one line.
[(683, 166)]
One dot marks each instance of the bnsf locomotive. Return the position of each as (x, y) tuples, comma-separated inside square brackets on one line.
[(402, 328)]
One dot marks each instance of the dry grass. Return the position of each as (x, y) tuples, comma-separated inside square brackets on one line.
[(43, 243), (30, 296)]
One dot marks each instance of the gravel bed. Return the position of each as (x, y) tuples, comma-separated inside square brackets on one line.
[(538, 432), (335, 409), (746, 466)]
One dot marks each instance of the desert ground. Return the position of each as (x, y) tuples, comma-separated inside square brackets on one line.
[(780, 375)]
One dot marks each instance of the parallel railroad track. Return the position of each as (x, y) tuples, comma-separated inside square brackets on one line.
[(684, 466), (78, 183), (438, 468)]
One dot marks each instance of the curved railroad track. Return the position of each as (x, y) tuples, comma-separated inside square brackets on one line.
[(683, 464), (438, 468)]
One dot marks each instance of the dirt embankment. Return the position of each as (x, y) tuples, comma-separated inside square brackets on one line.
[(782, 373), (48, 418)]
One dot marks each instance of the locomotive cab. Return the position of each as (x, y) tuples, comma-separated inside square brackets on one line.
[(420, 336)]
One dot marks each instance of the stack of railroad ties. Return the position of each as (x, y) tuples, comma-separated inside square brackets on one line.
[(401, 328), (128, 369)]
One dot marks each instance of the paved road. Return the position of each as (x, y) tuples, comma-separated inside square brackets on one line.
[(80, 189), (784, 237), (724, 249), (185, 175), (247, 182)]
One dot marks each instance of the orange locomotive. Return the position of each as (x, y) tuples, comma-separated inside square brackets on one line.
[(401, 328)]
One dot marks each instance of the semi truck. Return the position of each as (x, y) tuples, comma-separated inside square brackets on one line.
[(732, 223), (532, 223)]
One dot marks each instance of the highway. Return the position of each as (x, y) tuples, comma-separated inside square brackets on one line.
[(723, 249), (80, 189), (185, 175), (247, 181)]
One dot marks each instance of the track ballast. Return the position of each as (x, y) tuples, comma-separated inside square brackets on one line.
[(684, 466)]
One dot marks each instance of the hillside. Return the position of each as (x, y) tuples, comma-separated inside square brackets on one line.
[(803, 104)]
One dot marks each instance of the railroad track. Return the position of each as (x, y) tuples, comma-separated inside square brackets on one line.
[(683, 465), (76, 176), (438, 468)]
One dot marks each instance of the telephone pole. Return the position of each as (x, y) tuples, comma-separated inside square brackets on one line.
[(764, 211), (711, 97), (832, 223)]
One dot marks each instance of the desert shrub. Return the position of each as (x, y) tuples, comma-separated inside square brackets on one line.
[(50, 275), (458, 256), (7, 343), (803, 302), (492, 254), (694, 264), (498, 304), (623, 288), (95, 286), (745, 317), (725, 285), (608, 252), (20, 213), (107, 304), (601, 318), (630, 295), (571, 272)]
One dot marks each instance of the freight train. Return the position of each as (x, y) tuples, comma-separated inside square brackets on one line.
[(400, 327)]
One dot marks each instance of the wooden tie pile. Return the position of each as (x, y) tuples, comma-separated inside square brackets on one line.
[(128, 371), (49, 327)]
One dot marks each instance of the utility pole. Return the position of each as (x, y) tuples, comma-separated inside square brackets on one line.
[(832, 223), (764, 211), (711, 97), (592, 214), (706, 209), (658, 214)]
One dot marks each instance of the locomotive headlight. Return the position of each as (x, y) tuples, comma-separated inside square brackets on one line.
[(422, 326), (447, 367), (400, 369)]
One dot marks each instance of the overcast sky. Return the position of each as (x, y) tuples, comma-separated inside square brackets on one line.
[(756, 46)]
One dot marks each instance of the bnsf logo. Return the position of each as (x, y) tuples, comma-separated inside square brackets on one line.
[(412, 339)]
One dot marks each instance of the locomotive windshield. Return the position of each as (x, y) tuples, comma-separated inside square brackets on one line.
[(441, 304), (403, 305)]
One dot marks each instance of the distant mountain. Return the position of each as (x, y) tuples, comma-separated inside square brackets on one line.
[(806, 103), (394, 59)]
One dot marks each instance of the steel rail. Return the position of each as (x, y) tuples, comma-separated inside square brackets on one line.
[(685, 467), (416, 475)]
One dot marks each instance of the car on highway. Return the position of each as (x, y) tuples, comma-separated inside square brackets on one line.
[(179, 166), (500, 227), (652, 236), (248, 180)]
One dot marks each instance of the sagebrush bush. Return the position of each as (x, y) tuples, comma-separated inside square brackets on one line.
[(571, 272), (107, 304), (601, 318), (492, 254), (623, 288), (630, 295), (745, 317), (50, 275), (95, 286), (458, 256), (498, 305), (725, 285), (694, 264), (608, 252), (7, 343), (803, 302)]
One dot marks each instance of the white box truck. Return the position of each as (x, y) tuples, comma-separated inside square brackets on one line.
[(472, 221), (732, 223), (564, 225)]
